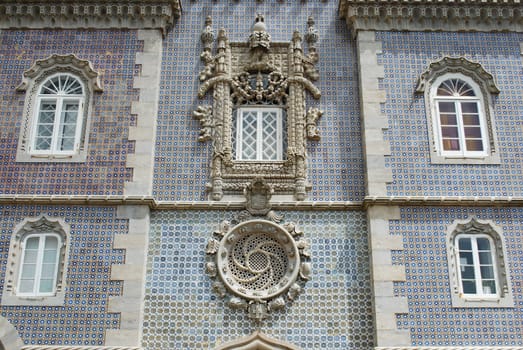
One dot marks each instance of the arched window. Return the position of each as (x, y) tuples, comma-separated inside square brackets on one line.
[(58, 101), (460, 117), (478, 268), (37, 263), (458, 99), (59, 116)]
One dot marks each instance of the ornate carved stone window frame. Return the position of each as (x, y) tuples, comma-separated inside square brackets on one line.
[(31, 82), (451, 67), (34, 227), (258, 73), (257, 341), (483, 227)]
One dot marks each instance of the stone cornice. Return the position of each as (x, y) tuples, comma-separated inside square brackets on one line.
[(437, 15), (97, 14), (149, 201)]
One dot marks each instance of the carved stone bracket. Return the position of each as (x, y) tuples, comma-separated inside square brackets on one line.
[(258, 73)]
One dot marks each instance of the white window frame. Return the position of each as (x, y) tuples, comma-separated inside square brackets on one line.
[(478, 278), (33, 80), (458, 103), (239, 127), (37, 274), (475, 228), (36, 227), (60, 99)]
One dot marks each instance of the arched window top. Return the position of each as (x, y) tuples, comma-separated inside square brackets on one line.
[(455, 87), (62, 84)]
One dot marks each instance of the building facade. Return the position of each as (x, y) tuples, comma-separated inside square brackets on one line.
[(261, 175)]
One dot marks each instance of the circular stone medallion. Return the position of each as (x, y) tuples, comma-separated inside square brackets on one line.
[(258, 259)]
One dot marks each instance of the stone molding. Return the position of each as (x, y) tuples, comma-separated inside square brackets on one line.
[(146, 111), (130, 304), (98, 14), (73, 347), (427, 15), (373, 121), (258, 73), (449, 348), (383, 275), (9, 337), (256, 341)]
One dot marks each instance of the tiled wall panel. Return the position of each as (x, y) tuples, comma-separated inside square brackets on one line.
[(83, 319), (407, 55), (112, 53), (333, 312), (335, 163), (431, 319)]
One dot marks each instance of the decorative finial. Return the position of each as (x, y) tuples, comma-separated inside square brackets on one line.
[(207, 35), (259, 37), (312, 33)]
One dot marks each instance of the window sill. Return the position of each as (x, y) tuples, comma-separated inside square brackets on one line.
[(15, 300), (442, 159), (477, 302)]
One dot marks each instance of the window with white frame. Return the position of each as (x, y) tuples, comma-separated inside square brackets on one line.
[(460, 118), (258, 134), (37, 263), (477, 264), (58, 101), (459, 98), (58, 116)]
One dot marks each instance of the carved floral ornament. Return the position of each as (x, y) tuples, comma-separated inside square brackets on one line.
[(258, 264), (256, 74)]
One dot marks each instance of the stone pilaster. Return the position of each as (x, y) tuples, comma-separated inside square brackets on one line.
[(146, 110), (383, 275), (373, 121), (132, 273), (9, 338)]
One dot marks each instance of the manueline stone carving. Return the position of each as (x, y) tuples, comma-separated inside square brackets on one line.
[(258, 73), (258, 265)]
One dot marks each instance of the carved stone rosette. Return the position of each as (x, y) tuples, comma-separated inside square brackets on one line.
[(257, 264), (258, 72)]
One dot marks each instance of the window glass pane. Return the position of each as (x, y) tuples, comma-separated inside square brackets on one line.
[(469, 107), (248, 135), (485, 258), (474, 145), (473, 132), (467, 272), (48, 271), (464, 244), (269, 136), (489, 287), (451, 145), (469, 287), (487, 272), (449, 131), (483, 244), (46, 286), (32, 243), (447, 107), (28, 271), (471, 119), (448, 119), (26, 286)]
